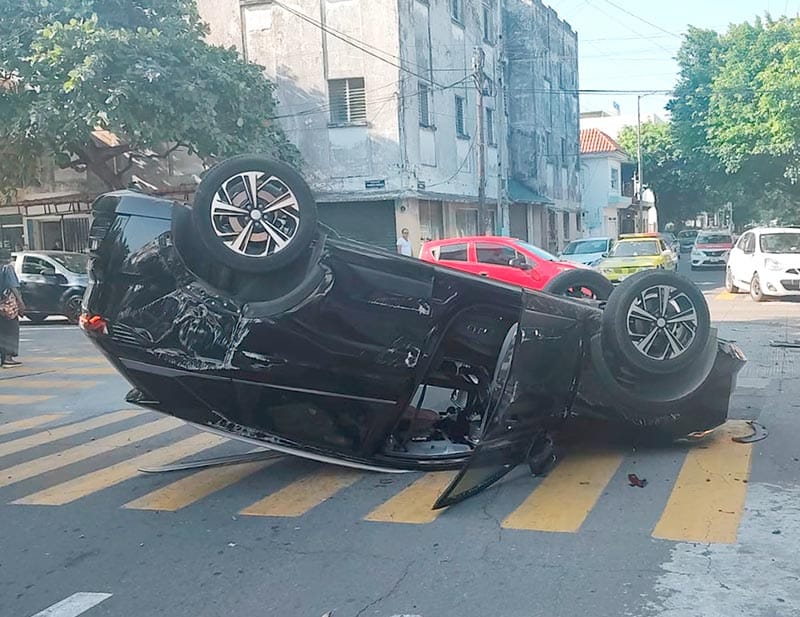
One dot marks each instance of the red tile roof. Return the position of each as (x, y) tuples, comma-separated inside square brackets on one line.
[(595, 141)]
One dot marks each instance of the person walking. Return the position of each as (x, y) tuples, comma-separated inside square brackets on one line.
[(11, 308), (403, 245)]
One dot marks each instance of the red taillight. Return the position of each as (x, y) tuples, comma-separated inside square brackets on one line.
[(93, 323)]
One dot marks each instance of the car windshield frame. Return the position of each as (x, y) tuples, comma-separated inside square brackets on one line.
[(599, 245), (540, 253), (764, 249), (627, 244), (69, 261), (717, 238)]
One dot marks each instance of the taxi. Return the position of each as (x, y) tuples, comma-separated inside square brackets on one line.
[(635, 252)]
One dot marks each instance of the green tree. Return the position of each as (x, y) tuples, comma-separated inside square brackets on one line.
[(680, 190), (140, 69)]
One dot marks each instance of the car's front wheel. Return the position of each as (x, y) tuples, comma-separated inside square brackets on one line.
[(756, 292), (254, 214), (656, 322)]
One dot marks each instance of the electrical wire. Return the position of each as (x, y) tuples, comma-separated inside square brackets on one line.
[(642, 19)]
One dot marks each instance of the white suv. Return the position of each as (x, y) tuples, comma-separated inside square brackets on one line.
[(765, 260)]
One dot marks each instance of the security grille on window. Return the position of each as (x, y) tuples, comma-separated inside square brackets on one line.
[(348, 100), (490, 126), (460, 129), (424, 105), (455, 9)]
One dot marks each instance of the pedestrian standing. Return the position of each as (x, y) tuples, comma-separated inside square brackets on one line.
[(11, 308), (403, 245)]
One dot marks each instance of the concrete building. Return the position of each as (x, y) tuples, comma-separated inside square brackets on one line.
[(379, 96), (607, 197), (541, 60)]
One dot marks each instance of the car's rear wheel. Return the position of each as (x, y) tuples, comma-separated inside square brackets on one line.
[(756, 292), (730, 287), (254, 214), (72, 308), (656, 322), (580, 283)]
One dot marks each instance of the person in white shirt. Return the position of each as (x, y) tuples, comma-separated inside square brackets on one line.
[(403, 245)]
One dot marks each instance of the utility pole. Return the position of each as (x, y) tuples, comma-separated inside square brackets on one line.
[(478, 59), (640, 190)]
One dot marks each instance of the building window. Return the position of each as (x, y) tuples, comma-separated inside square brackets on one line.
[(460, 125), (347, 100), (488, 24), (566, 225), (490, 127), (563, 152), (424, 105), (456, 10), (614, 179)]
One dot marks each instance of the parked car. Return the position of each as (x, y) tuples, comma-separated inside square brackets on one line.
[(711, 249), (672, 242), (766, 262), (636, 252), (52, 283), (242, 315), (506, 259), (587, 251), (686, 239)]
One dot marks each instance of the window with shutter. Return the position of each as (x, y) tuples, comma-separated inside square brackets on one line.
[(460, 126), (348, 101), (424, 105)]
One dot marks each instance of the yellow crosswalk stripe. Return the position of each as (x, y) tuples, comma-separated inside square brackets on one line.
[(304, 494), (725, 296), (413, 504), (49, 384), (23, 399), (72, 490), (41, 465), (707, 501), (90, 370), (21, 425), (567, 494), (38, 439), (195, 487)]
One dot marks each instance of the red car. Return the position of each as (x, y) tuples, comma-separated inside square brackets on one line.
[(499, 258)]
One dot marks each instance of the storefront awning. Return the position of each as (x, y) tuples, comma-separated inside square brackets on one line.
[(519, 192)]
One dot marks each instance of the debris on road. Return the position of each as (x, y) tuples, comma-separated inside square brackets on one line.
[(759, 433), (635, 480)]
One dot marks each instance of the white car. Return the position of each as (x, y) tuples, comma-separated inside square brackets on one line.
[(765, 261), (587, 251)]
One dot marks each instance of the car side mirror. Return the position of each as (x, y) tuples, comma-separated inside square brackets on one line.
[(521, 264), (47, 272), (606, 254)]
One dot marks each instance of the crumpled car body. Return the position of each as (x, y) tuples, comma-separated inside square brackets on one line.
[(362, 358)]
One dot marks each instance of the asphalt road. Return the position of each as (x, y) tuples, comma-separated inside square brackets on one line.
[(715, 532)]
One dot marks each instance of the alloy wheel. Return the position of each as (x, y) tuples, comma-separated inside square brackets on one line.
[(662, 322), (255, 214)]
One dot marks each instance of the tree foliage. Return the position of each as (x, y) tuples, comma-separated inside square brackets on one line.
[(140, 69), (736, 116)]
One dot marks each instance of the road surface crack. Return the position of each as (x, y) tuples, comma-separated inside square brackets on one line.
[(389, 593)]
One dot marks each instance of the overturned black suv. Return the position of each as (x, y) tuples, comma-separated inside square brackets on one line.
[(243, 315)]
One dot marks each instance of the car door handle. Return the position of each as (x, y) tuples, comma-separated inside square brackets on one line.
[(483, 273)]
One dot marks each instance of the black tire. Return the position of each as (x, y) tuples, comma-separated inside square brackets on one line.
[(295, 226), (36, 317), (72, 308), (637, 291), (730, 287), (756, 293), (570, 283)]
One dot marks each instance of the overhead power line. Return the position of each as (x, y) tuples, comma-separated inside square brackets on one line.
[(642, 19)]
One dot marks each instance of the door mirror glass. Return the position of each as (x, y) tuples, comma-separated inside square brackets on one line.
[(521, 263), (49, 272)]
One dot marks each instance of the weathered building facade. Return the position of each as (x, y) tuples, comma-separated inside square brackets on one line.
[(541, 67), (380, 98)]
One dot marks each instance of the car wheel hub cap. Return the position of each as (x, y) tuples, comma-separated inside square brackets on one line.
[(662, 322), (255, 214)]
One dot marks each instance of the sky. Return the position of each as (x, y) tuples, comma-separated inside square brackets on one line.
[(619, 49)]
